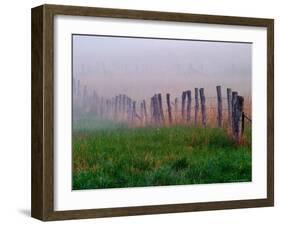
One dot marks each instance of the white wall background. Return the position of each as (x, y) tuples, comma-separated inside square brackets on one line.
[(15, 112)]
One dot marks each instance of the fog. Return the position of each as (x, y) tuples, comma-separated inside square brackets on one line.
[(141, 67)]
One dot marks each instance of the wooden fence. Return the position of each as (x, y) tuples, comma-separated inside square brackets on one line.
[(160, 109)]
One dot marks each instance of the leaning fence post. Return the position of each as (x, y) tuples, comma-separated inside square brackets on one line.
[(119, 106), (203, 106), (219, 98), (229, 106), (176, 110), (188, 108), (161, 107), (112, 107), (128, 108), (240, 106), (237, 116), (107, 107), (144, 111), (156, 109), (152, 119), (233, 115), (134, 111), (115, 107), (196, 107), (123, 106), (169, 108), (183, 100), (141, 113)]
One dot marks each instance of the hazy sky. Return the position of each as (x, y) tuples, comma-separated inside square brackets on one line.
[(141, 67)]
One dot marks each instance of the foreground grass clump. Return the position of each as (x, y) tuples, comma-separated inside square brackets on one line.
[(126, 157)]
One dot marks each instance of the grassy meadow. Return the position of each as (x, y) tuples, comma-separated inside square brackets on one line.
[(109, 154)]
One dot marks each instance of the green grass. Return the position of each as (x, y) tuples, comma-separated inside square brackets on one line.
[(117, 156)]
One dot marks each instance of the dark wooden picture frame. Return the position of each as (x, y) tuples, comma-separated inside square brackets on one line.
[(42, 203)]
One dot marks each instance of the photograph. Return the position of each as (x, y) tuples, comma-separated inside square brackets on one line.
[(149, 111), (138, 112)]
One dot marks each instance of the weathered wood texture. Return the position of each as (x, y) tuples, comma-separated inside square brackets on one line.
[(145, 112), (183, 103), (169, 108), (203, 107), (237, 116), (176, 112), (229, 106), (219, 100), (188, 106), (233, 107), (161, 111), (196, 106)]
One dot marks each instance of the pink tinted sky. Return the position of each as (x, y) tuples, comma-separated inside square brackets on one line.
[(141, 67)]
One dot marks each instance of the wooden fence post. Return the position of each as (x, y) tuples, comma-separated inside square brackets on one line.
[(219, 99), (145, 112), (176, 110), (119, 106), (240, 114), (203, 106), (162, 119), (154, 109), (110, 108), (188, 108), (157, 109), (196, 107), (229, 107), (169, 108), (134, 112), (141, 113), (106, 107), (233, 114), (238, 123), (183, 100), (123, 106), (129, 111), (94, 101), (152, 119), (115, 107), (126, 108)]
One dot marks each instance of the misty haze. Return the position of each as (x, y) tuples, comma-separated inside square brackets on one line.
[(138, 66), (158, 112)]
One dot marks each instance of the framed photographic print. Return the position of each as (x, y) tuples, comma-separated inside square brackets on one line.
[(141, 112)]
